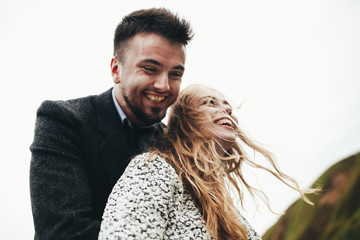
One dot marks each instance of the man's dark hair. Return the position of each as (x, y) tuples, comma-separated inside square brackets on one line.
[(155, 20)]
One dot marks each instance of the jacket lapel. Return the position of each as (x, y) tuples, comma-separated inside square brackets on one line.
[(113, 146)]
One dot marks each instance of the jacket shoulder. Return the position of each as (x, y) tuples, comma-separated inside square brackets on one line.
[(79, 107)]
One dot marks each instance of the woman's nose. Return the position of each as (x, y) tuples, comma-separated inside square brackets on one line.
[(227, 109)]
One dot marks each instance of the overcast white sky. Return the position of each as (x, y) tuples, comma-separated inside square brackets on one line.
[(294, 64)]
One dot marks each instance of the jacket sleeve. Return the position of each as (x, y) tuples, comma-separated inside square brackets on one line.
[(141, 202), (59, 188)]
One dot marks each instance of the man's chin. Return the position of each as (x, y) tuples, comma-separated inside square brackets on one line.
[(155, 116), (153, 119), (150, 116)]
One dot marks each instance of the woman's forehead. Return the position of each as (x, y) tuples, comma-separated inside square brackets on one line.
[(208, 92)]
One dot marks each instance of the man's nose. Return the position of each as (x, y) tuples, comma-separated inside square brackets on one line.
[(161, 83)]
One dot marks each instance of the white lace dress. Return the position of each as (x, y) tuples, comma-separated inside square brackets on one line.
[(148, 202)]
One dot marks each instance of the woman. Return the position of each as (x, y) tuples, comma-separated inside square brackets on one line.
[(181, 189)]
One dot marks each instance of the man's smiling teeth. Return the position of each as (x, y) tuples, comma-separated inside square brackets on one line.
[(225, 121), (155, 98)]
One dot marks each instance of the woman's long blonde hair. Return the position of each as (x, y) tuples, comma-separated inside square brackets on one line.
[(204, 172)]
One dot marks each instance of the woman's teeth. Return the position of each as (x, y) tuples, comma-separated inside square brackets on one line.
[(224, 121), (155, 98)]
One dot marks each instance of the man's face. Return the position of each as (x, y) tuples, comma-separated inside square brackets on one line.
[(147, 80)]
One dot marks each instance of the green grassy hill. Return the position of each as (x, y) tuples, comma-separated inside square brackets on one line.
[(336, 213)]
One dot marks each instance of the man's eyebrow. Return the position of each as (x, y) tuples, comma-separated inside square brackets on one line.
[(152, 61), (179, 67)]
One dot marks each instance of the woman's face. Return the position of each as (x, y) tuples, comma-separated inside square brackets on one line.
[(219, 121)]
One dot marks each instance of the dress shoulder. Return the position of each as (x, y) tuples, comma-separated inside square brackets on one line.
[(140, 201), (147, 166)]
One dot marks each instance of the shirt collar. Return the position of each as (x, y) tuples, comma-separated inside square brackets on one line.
[(118, 108)]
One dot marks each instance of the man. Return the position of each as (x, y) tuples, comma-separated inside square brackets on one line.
[(82, 146)]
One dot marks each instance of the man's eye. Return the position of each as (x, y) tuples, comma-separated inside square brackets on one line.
[(149, 69), (176, 74)]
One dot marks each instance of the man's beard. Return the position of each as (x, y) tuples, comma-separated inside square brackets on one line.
[(142, 116)]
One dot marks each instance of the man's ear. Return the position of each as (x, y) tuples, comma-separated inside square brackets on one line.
[(115, 68)]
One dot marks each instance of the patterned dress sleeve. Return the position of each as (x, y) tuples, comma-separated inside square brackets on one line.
[(140, 201)]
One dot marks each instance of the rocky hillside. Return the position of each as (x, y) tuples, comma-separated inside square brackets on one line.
[(336, 213)]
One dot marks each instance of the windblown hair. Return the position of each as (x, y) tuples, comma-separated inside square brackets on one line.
[(207, 173), (155, 20)]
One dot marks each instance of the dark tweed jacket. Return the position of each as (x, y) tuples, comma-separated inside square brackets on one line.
[(80, 150)]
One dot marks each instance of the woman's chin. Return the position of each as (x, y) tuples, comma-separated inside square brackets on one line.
[(224, 146)]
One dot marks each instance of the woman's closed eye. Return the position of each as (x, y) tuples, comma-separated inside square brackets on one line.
[(210, 102)]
